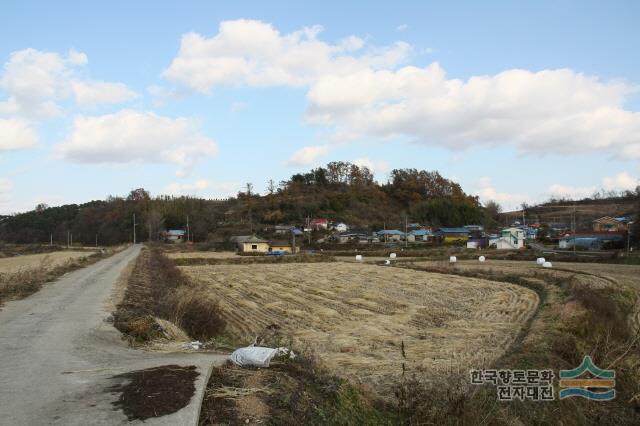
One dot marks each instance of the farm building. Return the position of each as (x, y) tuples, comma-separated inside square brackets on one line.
[(610, 224), (510, 238), (282, 229), (174, 236), (319, 224), (390, 235), (593, 240), (422, 234), (341, 227), (281, 247), (452, 235), (250, 244)]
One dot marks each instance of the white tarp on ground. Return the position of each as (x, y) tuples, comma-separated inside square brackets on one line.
[(257, 356)]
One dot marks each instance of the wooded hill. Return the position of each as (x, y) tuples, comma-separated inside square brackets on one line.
[(583, 212), (339, 191)]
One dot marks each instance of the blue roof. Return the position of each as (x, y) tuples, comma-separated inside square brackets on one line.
[(421, 232), (390, 232), (453, 230)]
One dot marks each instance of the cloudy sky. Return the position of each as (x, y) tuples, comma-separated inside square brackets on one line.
[(515, 102)]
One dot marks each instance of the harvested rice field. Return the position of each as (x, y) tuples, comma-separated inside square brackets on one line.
[(31, 261), (360, 318)]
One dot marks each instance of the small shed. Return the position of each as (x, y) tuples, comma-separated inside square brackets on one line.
[(281, 247), (175, 236), (250, 244)]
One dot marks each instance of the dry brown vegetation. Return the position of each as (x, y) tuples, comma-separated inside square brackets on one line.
[(157, 289), (22, 276), (359, 319), (15, 264)]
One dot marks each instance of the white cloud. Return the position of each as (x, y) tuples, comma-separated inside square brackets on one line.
[(308, 155), (360, 91), (16, 134), (91, 93), (36, 81), (373, 166), (203, 187), (620, 182), (551, 111), (508, 201), (254, 53), (402, 27), (568, 191), (130, 136)]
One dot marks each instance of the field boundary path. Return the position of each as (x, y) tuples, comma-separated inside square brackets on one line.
[(59, 354)]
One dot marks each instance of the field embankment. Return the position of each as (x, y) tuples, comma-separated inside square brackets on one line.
[(156, 289)]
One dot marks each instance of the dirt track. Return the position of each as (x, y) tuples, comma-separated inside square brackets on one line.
[(58, 355)]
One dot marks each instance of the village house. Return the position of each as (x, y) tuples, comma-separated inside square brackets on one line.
[(319, 224), (174, 236), (281, 247), (282, 229), (452, 235), (341, 227), (610, 224), (510, 238), (422, 235), (390, 235), (250, 244)]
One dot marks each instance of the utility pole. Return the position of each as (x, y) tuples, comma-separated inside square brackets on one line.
[(71, 239), (629, 238), (573, 225), (68, 233), (406, 227), (293, 242), (187, 228), (50, 240), (134, 228)]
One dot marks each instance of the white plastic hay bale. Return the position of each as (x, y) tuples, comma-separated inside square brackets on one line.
[(540, 260), (392, 255), (452, 259), (358, 258), (546, 265), (387, 262), (481, 259)]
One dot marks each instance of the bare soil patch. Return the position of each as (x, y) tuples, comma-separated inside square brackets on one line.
[(155, 392)]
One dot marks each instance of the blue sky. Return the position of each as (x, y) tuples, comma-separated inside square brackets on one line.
[(515, 101)]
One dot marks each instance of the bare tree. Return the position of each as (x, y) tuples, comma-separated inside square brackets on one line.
[(155, 223), (271, 187)]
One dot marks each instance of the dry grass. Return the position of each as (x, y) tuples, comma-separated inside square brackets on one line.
[(157, 289), (15, 264), (202, 254), (357, 318), (27, 276)]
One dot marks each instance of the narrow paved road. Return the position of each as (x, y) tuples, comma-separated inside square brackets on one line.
[(58, 354)]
